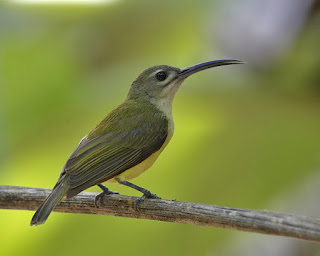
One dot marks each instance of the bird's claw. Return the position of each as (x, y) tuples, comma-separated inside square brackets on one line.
[(102, 197), (142, 198)]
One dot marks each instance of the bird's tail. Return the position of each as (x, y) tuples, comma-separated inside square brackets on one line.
[(47, 206)]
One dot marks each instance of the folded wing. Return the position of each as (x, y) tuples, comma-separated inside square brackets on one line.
[(104, 157)]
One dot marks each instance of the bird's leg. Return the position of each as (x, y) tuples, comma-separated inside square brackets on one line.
[(102, 196), (146, 193)]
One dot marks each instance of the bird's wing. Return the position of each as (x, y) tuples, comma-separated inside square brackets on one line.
[(106, 156)]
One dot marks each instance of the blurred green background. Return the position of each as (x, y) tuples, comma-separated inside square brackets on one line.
[(244, 134)]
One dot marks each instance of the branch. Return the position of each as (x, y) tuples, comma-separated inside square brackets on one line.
[(266, 222)]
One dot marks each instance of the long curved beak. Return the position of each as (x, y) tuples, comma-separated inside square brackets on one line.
[(185, 72)]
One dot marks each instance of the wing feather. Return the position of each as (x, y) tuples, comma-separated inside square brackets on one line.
[(103, 157)]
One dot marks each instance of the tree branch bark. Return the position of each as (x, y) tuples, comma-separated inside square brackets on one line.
[(265, 222)]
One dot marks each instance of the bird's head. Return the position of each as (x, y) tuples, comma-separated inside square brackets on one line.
[(162, 82)]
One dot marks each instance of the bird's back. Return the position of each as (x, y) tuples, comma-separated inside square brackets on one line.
[(127, 137)]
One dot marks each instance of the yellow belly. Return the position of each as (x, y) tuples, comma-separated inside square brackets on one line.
[(143, 166)]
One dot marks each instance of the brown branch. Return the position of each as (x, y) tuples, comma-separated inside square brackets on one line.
[(172, 211)]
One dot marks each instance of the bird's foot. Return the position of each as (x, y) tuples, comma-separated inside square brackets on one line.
[(147, 195), (102, 196)]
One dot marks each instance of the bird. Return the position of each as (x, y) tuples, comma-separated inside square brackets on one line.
[(127, 141)]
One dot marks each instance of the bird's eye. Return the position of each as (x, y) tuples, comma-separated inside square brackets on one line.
[(161, 75)]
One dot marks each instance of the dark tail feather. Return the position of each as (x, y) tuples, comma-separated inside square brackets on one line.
[(47, 206)]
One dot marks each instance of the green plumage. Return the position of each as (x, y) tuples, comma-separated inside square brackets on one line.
[(115, 145)]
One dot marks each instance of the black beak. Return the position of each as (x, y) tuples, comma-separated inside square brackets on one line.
[(185, 72)]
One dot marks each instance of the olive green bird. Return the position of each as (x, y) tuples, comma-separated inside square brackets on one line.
[(127, 141)]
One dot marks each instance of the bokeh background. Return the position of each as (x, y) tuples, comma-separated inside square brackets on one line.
[(246, 135)]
